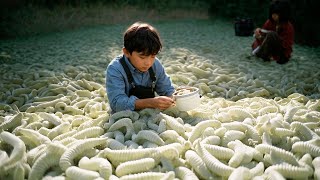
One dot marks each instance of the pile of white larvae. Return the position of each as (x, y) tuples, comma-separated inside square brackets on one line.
[(57, 127), (256, 120)]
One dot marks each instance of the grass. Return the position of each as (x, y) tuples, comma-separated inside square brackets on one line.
[(34, 20)]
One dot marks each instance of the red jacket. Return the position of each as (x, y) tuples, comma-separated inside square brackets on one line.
[(286, 34)]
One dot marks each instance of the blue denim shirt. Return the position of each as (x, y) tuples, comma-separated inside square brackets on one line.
[(118, 87)]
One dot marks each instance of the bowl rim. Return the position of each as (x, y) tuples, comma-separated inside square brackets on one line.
[(196, 91)]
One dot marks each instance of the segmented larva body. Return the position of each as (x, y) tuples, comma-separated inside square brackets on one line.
[(97, 164), (148, 135), (169, 151), (285, 155), (16, 155), (231, 136), (305, 147), (172, 123), (303, 131), (131, 144), (124, 114), (238, 114), (19, 172), (162, 126), (13, 122), (60, 129), (235, 125), (313, 106), (219, 152), (173, 136), (92, 132), (51, 118), (67, 157), (74, 172), (148, 176), (135, 166), (119, 156), (316, 165), (268, 109), (124, 122), (253, 134), (34, 136), (213, 140), (195, 161), (257, 170), (50, 103), (201, 126), (118, 136), (185, 173), (282, 132), (240, 173), (114, 144), (212, 163), (288, 116), (43, 163), (290, 171), (65, 135)]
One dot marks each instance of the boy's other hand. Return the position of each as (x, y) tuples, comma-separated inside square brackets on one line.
[(163, 102)]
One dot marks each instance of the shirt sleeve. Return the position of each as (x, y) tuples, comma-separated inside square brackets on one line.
[(287, 39), (164, 85), (116, 88)]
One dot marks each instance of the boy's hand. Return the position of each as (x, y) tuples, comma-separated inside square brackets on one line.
[(163, 102)]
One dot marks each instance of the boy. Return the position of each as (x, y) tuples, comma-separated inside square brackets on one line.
[(133, 78)]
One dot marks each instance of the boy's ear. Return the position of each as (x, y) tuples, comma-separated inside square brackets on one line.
[(125, 52)]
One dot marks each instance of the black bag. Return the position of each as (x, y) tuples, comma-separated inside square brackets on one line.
[(243, 27)]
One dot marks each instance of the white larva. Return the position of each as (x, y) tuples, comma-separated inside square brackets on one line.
[(148, 135), (285, 155), (74, 172), (118, 156), (212, 163), (148, 175), (92, 132), (102, 165), (47, 160), (172, 123), (135, 166), (13, 122), (290, 171), (195, 161), (124, 122), (16, 155), (200, 127), (219, 152), (240, 173), (68, 156), (305, 147), (185, 173), (316, 165)]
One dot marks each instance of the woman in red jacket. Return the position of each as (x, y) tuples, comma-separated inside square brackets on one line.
[(276, 37)]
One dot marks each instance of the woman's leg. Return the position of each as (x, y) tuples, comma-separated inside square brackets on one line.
[(271, 46)]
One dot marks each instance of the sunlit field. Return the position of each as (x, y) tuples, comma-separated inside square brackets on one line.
[(256, 119)]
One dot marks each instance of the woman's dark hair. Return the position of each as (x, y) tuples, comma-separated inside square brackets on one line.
[(142, 37), (282, 8)]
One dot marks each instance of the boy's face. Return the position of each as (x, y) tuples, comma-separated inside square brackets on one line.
[(139, 60)]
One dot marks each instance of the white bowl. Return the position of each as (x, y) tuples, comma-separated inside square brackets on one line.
[(187, 98)]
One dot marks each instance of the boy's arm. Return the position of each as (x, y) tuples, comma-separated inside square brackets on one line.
[(160, 102), (115, 86)]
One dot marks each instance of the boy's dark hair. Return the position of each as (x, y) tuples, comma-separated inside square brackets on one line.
[(282, 8), (142, 37)]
